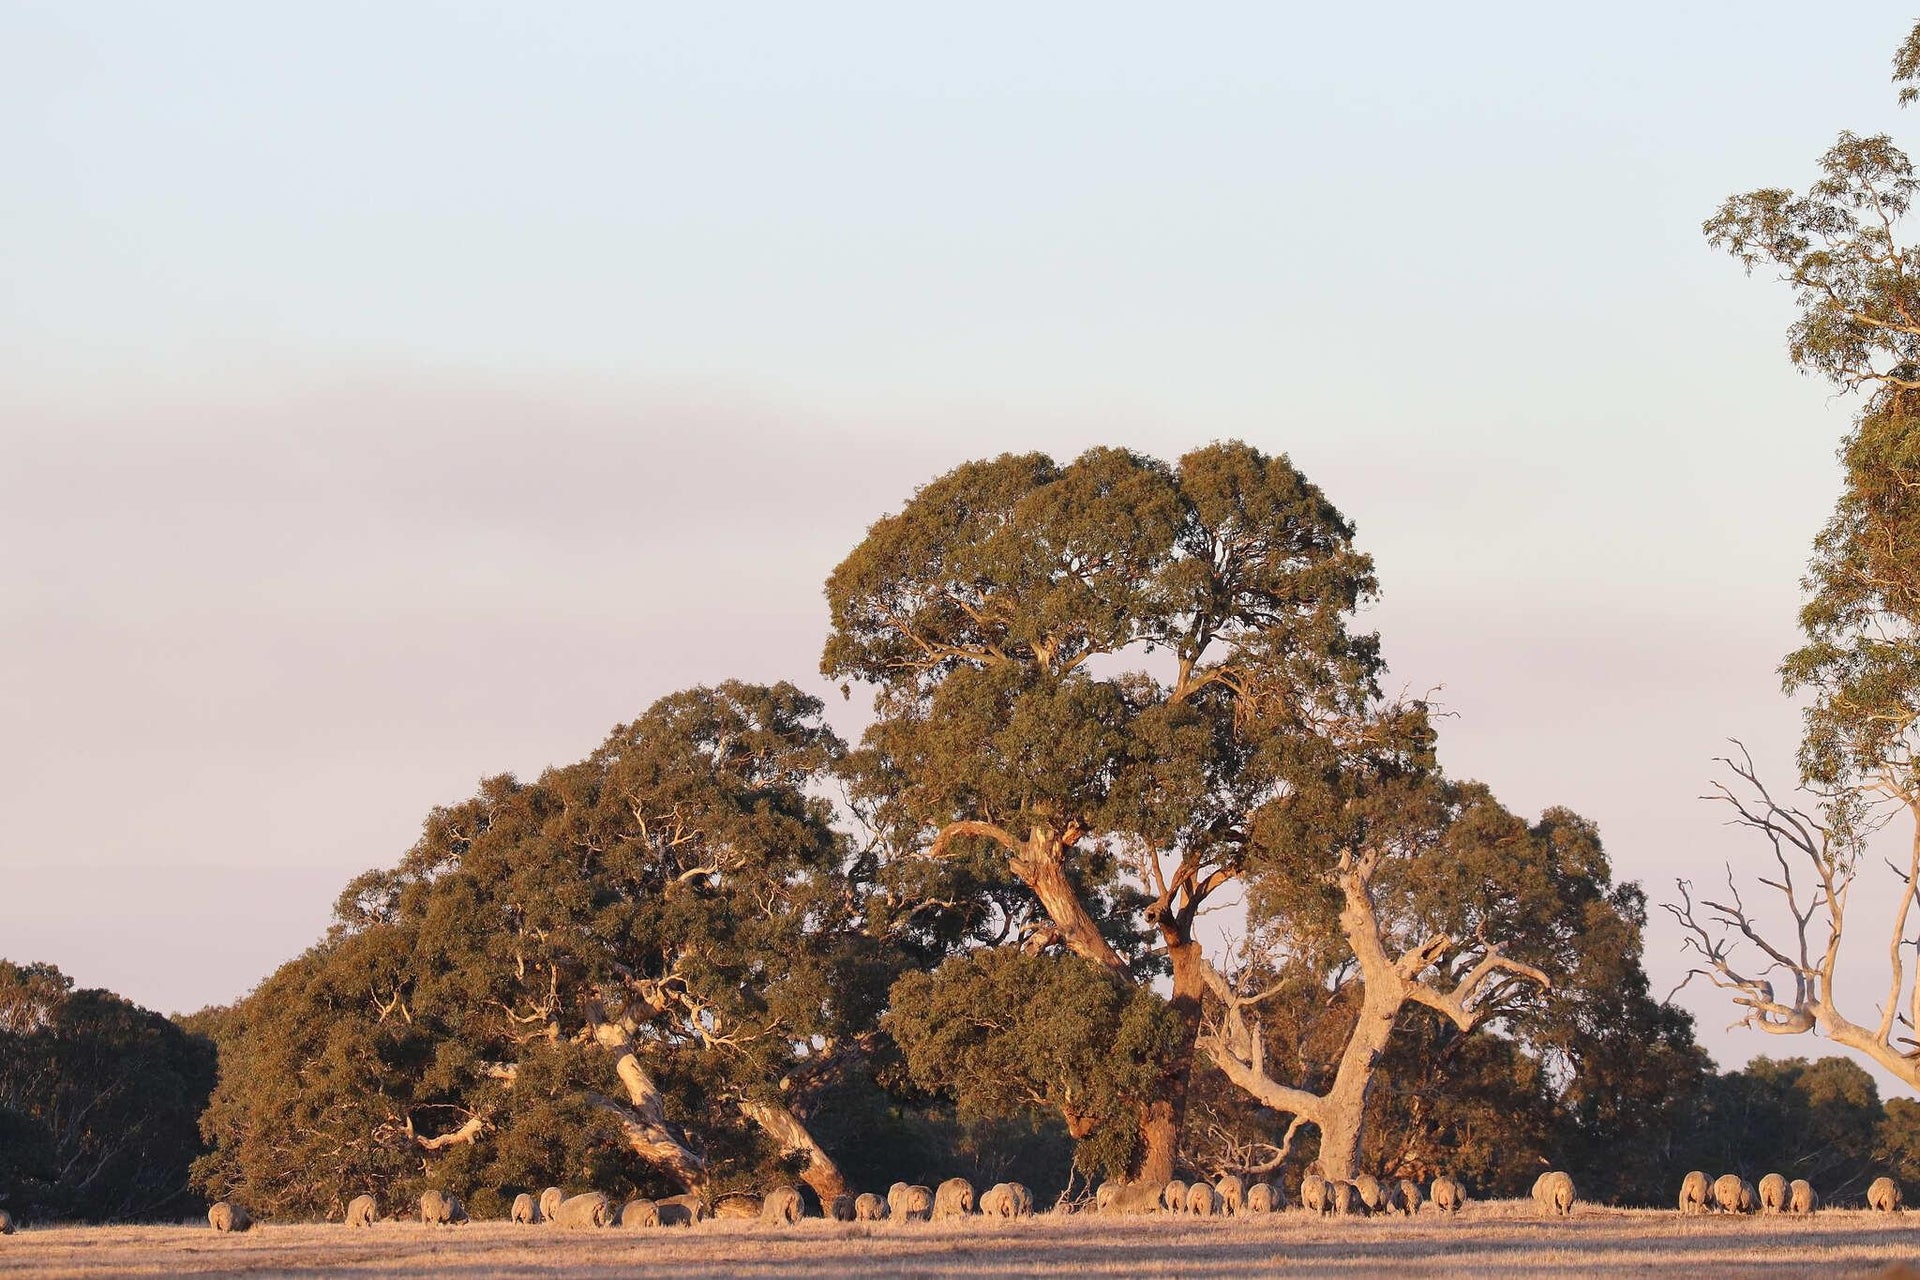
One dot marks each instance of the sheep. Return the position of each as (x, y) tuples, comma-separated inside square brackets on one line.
[(1556, 1193), (1232, 1190), (1390, 1201), (697, 1210), (639, 1213), (438, 1209), (1104, 1194), (840, 1208), (362, 1211), (1726, 1192), (1884, 1195), (915, 1203), (1749, 1199), (1410, 1196), (1695, 1193), (525, 1209), (1773, 1194), (1174, 1196), (743, 1206), (953, 1199), (1007, 1200), (868, 1207), (549, 1201), (676, 1213), (7, 1225), (782, 1207), (1801, 1197), (1202, 1200), (1447, 1194), (1316, 1194), (225, 1216), (1367, 1187), (1346, 1198), (1261, 1198)]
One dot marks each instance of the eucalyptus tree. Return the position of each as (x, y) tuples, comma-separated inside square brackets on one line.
[(636, 969), (1842, 247), (1137, 687)]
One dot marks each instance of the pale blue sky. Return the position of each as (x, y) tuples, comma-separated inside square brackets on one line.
[(392, 394)]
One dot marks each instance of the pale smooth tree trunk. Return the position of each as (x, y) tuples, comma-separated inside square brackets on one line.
[(780, 1124)]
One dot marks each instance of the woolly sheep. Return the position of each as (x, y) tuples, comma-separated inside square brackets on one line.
[(782, 1207), (1104, 1195), (675, 1213), (438, 1209), (589, 1209), (1316, 1194), (868, 1207), (1695, 1193), (1801, 1197), (1367, 1187), (1884, 1195), (1390, 1201), (1553, 1192), (1726, 1192), (549, 1201), (1346, 1198), (362, 1211), (1773, 1194), (697, 1210), (1749, 1198), (225, 1216), (1447, 1194), (1261, 1198), (639, 1213), (1007, 1200), (7, 1224), (840, 1208), (1202, 1200), (741, 1206), (1174, 1197), (915, 1203), (953, 1199), (525, 1209), (1232, 1190), (1410, 1196)]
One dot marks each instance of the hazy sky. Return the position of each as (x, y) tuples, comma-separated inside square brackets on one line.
[(393, 394)]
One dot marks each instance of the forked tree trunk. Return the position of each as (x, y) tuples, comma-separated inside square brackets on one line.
[(780, 1124)]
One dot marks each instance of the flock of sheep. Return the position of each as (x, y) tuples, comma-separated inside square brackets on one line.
[(1553, 1193)]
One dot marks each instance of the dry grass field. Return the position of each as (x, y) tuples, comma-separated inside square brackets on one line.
[(1496, 1240)]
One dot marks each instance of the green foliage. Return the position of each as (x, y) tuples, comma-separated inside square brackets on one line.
[(1819, 1120), (682, 886), (1003, 1032), (98, 1102)]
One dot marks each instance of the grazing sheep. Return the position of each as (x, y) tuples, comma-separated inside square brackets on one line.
[(840, 1208), (1104, 1194), (1554, 1193), (953, 1199), (868, 1207), (1232, 1190), (1261, 1198), (1316, 1194), (1174, 1197), (1006, 1200), (1202, 1200), (362, 1211), (741, 1206), (1447, 1194), (1884, 1195), (1749, 1198), (1773, 1194), (697, 1209), (438, 1209), (589, 1209), (7, 1224), (1346, 1198), (1801, 1197), (1726, 1192), (549, 1201), (639, 1213), (915, 1204), (224, 1216), (782, 1207), (1368, 1188), (525, 1209), (1695, 1193), (675, 1213), (1410, 1196)]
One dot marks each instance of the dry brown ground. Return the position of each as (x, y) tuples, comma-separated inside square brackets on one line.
[(1490, 1240)]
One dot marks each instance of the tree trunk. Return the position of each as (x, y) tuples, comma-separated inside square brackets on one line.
[(645, 1117), (1040, 864), (1343, 1113), (1166, 1114), (780, 1124)]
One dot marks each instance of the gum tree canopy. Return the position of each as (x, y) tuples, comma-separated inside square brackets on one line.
[(632, 971), (1134, 687)]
